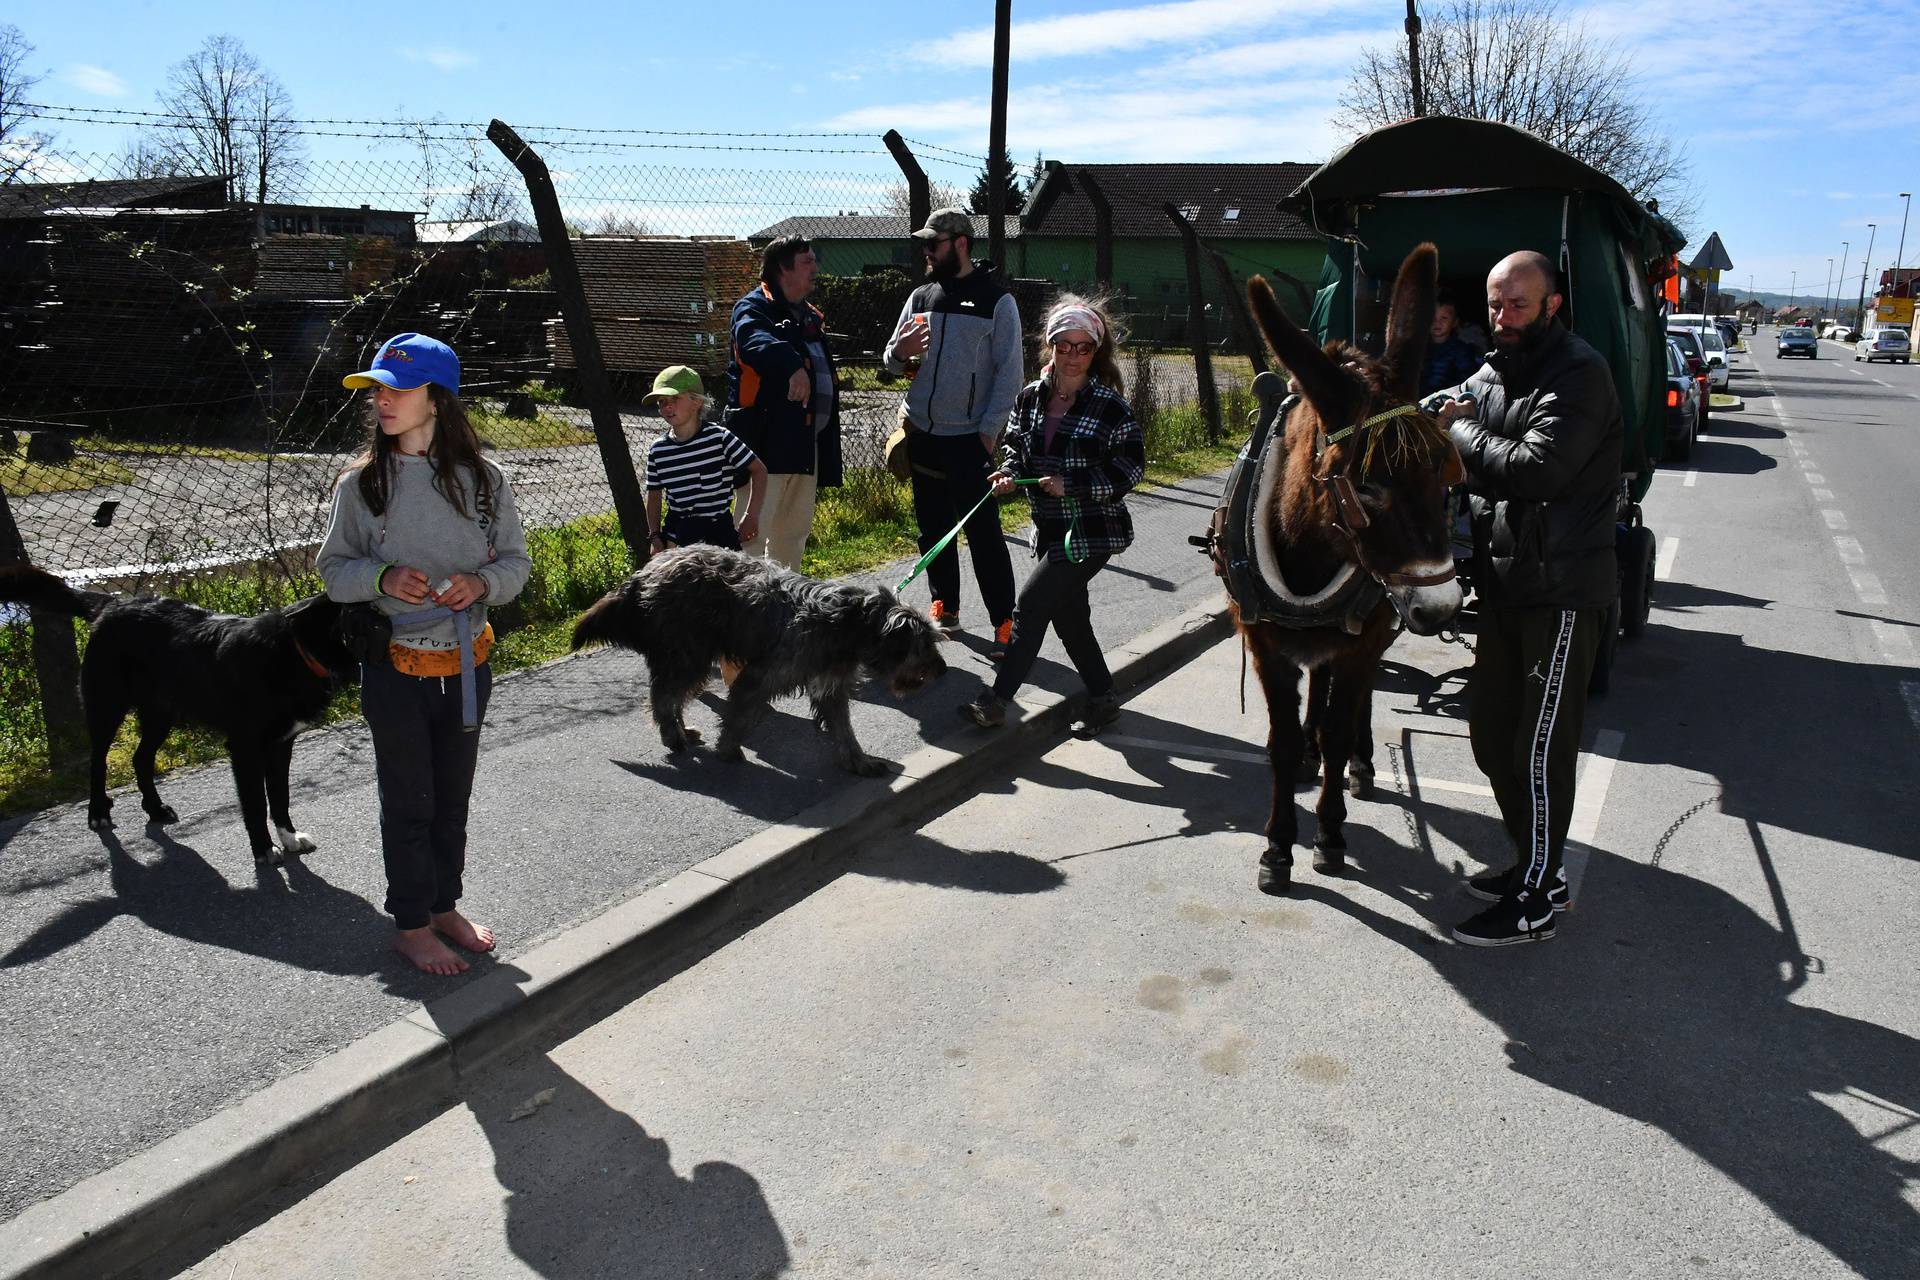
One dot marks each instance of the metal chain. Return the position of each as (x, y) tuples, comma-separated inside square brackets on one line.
[(1660, 846), (1406, 810), (1451, 636)]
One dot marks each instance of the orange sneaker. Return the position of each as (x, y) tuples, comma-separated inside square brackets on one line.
[(943, 617), (1002, 637)]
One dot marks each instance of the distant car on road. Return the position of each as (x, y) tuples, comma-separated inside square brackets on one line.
[(1885, 344), (1686, 404), (1729, 330), (1796, 340)]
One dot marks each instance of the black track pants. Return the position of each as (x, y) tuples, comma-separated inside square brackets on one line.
[(949, 476), (1527, 699), (1055, 592), (423, 760)]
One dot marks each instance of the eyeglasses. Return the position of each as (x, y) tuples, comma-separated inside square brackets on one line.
[(1075, 348), (928, 246)]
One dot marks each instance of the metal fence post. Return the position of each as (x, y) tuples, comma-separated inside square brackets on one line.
[(56, 661), (1102, 228), (1236, 304), (997, 175), (629, 503), (919, 193), (1197, 324)]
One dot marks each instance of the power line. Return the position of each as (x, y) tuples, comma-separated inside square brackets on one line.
[(481, 126)]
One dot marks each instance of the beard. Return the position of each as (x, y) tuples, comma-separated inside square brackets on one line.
[(1523, 339), (944, 267)]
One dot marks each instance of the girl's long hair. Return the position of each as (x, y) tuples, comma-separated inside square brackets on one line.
[(455, 449), (1106, 357)]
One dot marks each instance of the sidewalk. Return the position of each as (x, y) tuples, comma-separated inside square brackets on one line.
[(1056, 1032), (154, 977)]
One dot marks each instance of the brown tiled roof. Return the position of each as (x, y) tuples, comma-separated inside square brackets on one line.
[(25, 199), (858, 226), (1209, 191)]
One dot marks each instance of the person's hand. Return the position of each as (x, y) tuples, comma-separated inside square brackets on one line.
[(403, 582), (1453, 409), (1002, 484), (1053, 486), (912, 340), (466, 588), (800, 386), (749, 527)]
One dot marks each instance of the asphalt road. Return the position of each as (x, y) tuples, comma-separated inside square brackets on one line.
[(1057, 1032), (149, 978)]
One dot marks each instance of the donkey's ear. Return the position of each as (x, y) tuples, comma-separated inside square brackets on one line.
[(1334, 394), (1410, 319)]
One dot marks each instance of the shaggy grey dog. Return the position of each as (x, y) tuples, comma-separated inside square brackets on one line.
[(694, 606)]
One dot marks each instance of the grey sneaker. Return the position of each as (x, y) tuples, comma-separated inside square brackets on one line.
[(1096, 715), (988, 710)]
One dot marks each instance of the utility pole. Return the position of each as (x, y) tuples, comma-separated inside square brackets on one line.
[(997, 136), (1793, 289), (1413, 60), (1860, 307), (1902, 253), (1833, 303)]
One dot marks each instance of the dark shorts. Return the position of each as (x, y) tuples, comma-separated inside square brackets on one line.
[(714, 531)]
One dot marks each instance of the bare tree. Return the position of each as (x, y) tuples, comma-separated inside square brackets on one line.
[(898, 199), (1521, 63), (231, 117), (18, 144), (615, 223), (140, 158)]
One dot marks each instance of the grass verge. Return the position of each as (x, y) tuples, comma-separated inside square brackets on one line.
[(22, 479), (866, 522)]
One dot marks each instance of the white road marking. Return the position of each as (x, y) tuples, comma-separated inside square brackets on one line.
[(1823, 495), (1589, 797), (1851, 552), (1808, 464), (1692, 478), (1813, 477), (1894, 641), (1883, 383), (1910, 694), (1835, 519), (1663, 563), (1867, 586)]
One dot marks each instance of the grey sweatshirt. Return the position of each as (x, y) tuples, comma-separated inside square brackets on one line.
[(971, 373), (421, 529)]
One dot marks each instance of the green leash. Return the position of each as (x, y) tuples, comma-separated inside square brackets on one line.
[(920, 565)]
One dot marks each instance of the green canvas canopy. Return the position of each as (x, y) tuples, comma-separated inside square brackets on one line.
[(1479, 191)]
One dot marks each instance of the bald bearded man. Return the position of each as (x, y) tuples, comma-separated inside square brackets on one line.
[(1540, 431)]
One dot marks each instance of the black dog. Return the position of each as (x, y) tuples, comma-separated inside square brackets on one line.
[(697, 605), (258, 680)]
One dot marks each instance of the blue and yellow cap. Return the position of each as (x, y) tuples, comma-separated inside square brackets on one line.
[(409, 360)]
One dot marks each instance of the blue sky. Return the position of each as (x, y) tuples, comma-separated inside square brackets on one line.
[(1797, 141)]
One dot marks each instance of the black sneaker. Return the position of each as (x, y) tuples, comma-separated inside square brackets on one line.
[(1519, 917), (988, 710), (1096, 715), (1493, 886)]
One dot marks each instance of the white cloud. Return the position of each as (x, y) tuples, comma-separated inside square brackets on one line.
[(97, 81), (1080, 35), (1266, 58), (442, 58)]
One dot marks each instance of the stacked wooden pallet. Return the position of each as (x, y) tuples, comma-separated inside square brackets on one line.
[(659, 300)]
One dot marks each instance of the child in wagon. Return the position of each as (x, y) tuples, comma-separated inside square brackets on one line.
[(695, 466)]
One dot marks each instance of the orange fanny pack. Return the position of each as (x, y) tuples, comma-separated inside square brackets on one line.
[(439, 662)]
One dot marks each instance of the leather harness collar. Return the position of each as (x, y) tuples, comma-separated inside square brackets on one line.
[(1232, 540)]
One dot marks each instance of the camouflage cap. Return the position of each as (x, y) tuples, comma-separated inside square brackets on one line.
[(946, 222)]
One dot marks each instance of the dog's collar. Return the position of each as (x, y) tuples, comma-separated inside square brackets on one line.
[(308, 658)]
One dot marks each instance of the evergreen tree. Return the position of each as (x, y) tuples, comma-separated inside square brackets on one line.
[(1016, 196)]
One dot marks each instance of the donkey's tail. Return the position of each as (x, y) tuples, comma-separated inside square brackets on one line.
[(38, 589)]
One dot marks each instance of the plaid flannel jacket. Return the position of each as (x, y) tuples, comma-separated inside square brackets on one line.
[(1100, 452)]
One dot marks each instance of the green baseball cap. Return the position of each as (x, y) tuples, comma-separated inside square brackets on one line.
[(946, 222), (675, 380)]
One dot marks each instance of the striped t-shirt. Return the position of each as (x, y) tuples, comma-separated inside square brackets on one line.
[(697, 473)]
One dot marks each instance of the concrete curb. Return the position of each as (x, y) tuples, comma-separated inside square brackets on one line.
[(206, 1175)]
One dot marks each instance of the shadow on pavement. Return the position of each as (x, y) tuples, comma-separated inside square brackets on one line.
[(918, 859), (1717, 456), (1668, 1001), (591, 1193)]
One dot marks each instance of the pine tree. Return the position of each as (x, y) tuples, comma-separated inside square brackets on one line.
[(1016, 197)]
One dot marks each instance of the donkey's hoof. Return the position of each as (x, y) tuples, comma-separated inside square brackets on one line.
[(1276, 872), (1329, 859), (1309, 768), (162, 815), (1360, 784)]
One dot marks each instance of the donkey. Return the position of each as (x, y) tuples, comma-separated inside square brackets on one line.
[(1346, 523)]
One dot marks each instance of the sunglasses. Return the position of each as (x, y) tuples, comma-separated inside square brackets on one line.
[(928, 246), (1075, 348)]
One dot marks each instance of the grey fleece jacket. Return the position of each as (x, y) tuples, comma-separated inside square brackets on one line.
[(421, 529), (972, 370)]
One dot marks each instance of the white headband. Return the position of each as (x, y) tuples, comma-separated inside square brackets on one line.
[(1062, 319)]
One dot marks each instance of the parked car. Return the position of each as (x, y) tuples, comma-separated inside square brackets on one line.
[(1729, 330), (1713, 349), (1796, 340), (1695, 357), (1886, 344), (1686, 404)]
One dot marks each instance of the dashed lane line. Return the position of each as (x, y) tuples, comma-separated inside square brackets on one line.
[(1835, 518), (1589, 798), (1910, 694), (1823, 495), (1663, 563), (1692, 478), (1894, 641), (1867, 586), (1851, 552)]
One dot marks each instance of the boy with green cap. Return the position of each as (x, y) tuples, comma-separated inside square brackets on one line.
[(696, 466)]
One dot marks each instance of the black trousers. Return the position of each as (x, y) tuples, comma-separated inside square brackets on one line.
[(1055, 593), (1527, 701), (423, 761), (949, 476), (714, 531)]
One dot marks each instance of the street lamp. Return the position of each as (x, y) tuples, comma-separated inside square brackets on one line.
[(1833, 299), (1905, 209), (1860, 308)]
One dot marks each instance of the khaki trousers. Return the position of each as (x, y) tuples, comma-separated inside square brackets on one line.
[(786, 518)]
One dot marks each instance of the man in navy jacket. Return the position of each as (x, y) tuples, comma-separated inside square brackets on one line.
[(781, 399)]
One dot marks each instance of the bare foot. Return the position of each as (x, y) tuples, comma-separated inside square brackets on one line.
[(427, 953), (463, 932)]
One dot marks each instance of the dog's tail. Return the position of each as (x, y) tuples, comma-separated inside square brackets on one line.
[(38, 589), (609, 620)]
